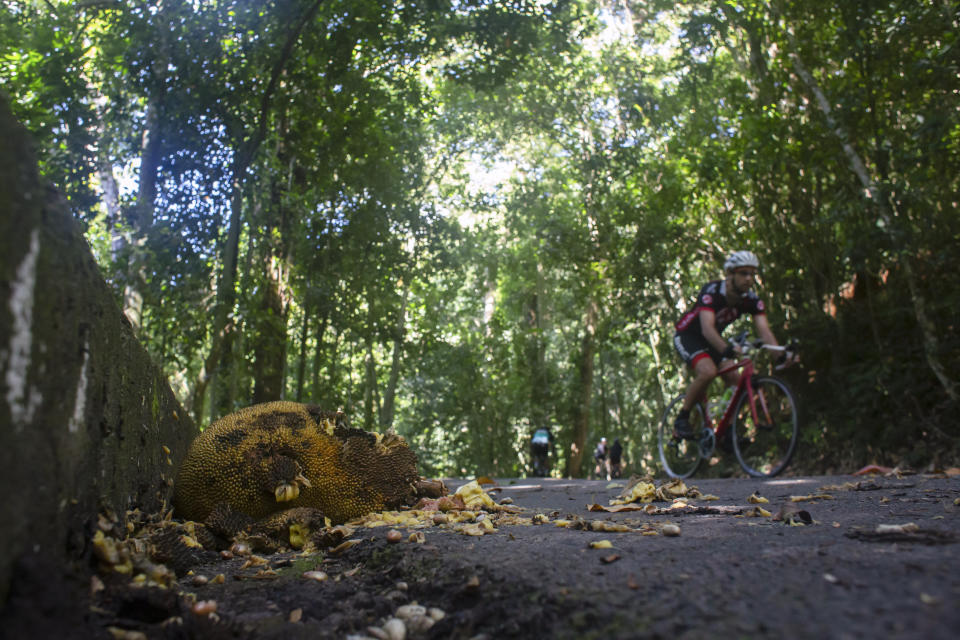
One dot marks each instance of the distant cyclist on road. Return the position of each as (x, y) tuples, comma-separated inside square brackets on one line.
[(540, 445), (600, 458), (698, 339), (616, 459)]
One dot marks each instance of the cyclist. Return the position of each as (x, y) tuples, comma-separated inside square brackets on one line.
[(698, 339), (616, 459), (540, 444), (600, 458)]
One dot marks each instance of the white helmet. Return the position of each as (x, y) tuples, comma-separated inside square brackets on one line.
[(741, 259)]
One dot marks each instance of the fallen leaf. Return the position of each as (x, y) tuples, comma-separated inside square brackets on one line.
[(609, 559), (632, 583), (636, 492), (793, 515), (872, 468), (296, 615), (603, 525), (812, 496), (617, 508), (266, 574), (909, 532), (756, 498), (899, 473), (846, 486), (601, 544), (926, 598), (673, 489), (343, 546), (418, 537), (485, 480), (254, 561), (909, 527), (318, 576)]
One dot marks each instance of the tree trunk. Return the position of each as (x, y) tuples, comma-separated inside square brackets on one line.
[(270, 350), (536, 358), (370, 395), (399, 334), (226, 285), (302, 359), (581, 426), (318, 357), (141, 216)]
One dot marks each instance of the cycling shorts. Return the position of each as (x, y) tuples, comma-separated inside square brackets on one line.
[(693, 347)]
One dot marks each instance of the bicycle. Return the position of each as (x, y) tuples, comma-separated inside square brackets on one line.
[(762, 415), (541, 469)]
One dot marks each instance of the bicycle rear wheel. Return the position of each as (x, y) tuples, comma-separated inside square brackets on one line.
[(764, 446), (680, 458)]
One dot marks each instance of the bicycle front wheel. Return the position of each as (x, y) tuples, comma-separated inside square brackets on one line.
[(765, 444), (680, 458)]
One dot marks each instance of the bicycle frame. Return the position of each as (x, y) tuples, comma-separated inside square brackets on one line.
[(745, 385)]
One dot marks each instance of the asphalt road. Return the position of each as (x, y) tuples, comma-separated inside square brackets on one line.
[(879, 558)]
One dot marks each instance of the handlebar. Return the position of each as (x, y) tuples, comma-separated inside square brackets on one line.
[(746, 346)]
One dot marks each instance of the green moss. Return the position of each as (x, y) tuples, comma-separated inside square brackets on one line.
[(155, 405), (300, 564)]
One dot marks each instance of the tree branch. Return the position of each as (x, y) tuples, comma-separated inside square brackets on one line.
[(886, 211)]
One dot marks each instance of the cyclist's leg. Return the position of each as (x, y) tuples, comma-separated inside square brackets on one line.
[(730, 378), (680, 456), (704, 371), (702, 360)]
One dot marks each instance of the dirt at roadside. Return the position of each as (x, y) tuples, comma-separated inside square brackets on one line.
[(879, 557)]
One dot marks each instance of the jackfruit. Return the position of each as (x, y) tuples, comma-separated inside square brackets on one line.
[(277, 456)]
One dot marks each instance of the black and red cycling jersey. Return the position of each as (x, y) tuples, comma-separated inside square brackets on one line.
[(713, 296)]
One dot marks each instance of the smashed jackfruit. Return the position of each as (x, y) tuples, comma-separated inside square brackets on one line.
[(474, 496), (281, 455)]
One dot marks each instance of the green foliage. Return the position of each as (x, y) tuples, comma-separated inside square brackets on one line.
[(468, 220), (41, 61)]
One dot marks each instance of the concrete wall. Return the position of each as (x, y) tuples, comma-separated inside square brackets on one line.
[(84, 414)]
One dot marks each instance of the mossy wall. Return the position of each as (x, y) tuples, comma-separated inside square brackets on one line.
[(85, 416)]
